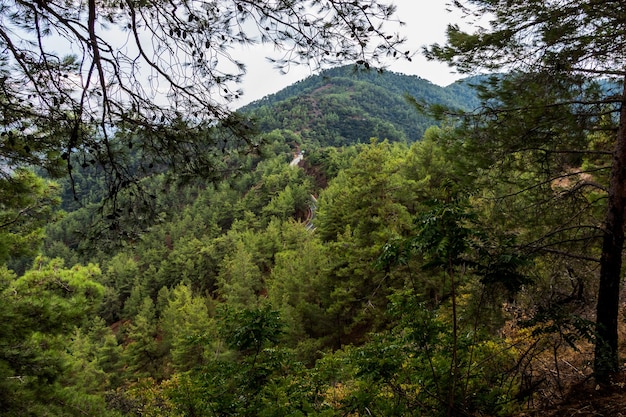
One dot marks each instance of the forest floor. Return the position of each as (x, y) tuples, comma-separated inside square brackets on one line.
[(587, 399)]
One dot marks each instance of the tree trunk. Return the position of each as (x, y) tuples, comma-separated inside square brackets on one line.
[(606, 359)]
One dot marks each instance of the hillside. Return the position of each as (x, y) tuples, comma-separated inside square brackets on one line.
[(344, 105), (407, 294)]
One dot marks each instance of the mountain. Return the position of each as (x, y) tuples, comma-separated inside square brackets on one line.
[(347, 105)]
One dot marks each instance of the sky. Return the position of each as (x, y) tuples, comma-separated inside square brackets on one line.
[(426, 22)]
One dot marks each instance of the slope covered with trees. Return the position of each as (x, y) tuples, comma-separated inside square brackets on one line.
[(419, 290), (474, 271), (349, 104), (416, 292), (232, 306)]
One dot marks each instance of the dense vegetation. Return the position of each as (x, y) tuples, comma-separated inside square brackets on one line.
[(467, 264), (408, 291)]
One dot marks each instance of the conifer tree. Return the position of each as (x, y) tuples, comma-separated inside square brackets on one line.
[(187, 326), (37, 311), (27, 203), (143, 355), (554, 52), (240, 281)]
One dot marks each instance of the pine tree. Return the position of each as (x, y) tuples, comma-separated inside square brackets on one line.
[(554, 52), (187, 328), (143, 355), (27, 203), (38, 312)]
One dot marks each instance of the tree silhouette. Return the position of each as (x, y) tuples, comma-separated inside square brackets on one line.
[(73, 75)]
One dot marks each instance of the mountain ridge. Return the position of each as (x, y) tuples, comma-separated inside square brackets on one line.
[(346, 105)]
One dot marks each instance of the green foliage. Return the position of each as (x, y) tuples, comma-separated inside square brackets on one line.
[(444, 234), (187, 328), (122, 123), (28, 204), (365, 197), (400, 289), (297, 285), (143, 355), (134, 303), (86, 360), (239, 281), (407, 372), (250, 330), (545, 113), (120, 276), (39, 312), (236, 385)]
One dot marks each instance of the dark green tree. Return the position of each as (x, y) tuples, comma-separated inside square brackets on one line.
[(359, 212), (235, 382), (297, 285), (240, 282), (555, 51)]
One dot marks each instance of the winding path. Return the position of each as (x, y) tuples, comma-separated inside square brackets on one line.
[(313, 203)]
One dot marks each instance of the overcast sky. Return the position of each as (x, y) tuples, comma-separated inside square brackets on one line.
[(426, 22)]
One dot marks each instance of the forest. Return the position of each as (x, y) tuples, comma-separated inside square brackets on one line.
[(361, 243)]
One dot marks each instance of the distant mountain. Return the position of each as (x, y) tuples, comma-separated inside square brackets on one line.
[(345, 105)]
